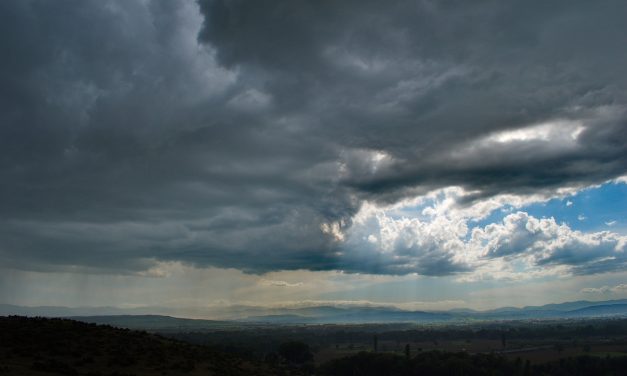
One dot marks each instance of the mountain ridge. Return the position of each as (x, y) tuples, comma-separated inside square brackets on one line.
[(143, 317)]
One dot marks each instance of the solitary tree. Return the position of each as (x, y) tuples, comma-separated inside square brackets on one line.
[(295, 352)]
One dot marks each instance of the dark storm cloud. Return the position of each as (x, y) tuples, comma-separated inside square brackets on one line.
[(418, 79), (122, 140), (129, 133)]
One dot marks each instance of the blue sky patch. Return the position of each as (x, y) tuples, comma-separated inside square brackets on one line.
[(593, 209)]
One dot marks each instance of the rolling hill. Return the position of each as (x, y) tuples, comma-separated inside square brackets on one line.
[(44, 346)]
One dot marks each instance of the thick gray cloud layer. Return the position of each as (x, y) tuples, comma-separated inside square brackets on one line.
[(226, 132)]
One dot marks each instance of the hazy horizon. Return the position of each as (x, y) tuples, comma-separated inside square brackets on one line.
[(214, 153)]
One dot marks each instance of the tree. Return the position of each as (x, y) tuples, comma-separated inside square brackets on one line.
[(407, 351), (272, 358), (295, 352), (527, 369)]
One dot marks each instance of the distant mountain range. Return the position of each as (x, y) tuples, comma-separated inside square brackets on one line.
[(160, 317)]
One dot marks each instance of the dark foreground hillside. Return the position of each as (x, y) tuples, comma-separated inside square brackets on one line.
[(42, 346)]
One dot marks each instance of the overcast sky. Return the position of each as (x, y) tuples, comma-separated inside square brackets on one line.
[(426, 153)]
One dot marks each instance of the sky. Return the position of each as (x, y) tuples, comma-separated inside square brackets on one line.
[(422, 154)]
